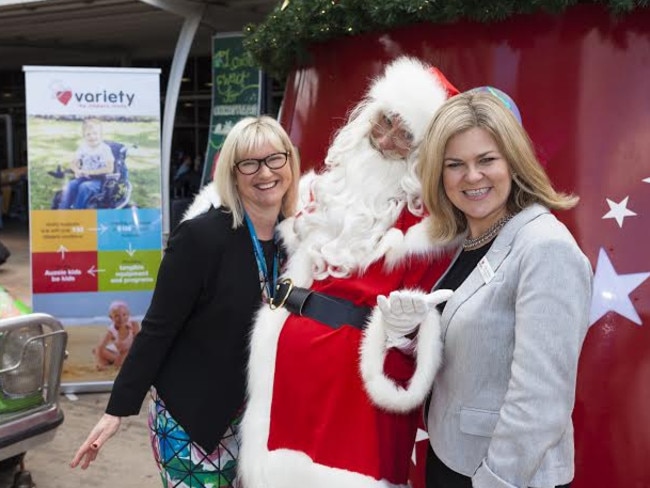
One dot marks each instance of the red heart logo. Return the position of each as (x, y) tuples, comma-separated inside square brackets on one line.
[(64, 96)]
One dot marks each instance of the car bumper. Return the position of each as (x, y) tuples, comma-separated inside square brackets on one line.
[(20, 432)]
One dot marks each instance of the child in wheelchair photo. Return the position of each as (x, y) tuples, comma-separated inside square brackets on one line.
[(97, 176)]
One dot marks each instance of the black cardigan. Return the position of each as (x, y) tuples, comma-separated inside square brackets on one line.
[(193, 346)]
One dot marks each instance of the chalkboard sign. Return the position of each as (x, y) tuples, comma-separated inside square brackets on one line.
[(236, 93)]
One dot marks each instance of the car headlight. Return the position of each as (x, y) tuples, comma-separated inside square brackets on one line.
[(24, 356)]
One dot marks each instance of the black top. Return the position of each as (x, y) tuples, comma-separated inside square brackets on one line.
[(461, 269), (193, 346), (269, 248)]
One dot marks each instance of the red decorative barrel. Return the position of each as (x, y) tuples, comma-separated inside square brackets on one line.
[(582, 82)]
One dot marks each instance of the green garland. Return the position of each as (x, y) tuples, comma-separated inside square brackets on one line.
[(280, 43)]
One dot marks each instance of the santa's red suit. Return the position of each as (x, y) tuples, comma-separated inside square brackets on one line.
[(334, 406)]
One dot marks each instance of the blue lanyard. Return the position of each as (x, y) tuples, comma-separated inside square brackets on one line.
[(261, 260)]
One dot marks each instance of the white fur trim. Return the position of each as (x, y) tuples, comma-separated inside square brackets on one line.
[(428, 354), (416, 241), (408, 88), (255, 424), (288, 234), (286, 468), (206, 198)]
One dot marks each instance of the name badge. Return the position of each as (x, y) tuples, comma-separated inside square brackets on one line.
[(485, 269)]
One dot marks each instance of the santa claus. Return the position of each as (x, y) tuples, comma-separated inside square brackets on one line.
[(333, 383)]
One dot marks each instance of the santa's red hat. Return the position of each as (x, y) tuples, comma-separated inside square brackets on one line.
[(413, 90)]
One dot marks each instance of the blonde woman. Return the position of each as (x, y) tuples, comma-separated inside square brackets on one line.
[(220, 264), (500, 411)]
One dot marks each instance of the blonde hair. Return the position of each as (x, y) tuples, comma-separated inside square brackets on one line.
[(247, 135), (468, 110), (117, 304), (92, 122)]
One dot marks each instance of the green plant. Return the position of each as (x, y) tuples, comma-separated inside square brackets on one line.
[(280, 42)]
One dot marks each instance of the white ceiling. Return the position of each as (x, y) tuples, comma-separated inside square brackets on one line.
[(69, 32)]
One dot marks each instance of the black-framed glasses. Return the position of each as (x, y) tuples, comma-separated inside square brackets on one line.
[(251, 166)]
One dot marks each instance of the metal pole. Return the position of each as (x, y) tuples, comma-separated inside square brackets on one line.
[(193, 14)]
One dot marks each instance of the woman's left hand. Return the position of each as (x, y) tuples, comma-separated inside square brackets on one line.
[(104, 430)]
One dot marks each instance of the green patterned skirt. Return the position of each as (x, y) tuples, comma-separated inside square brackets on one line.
[(184, 464)]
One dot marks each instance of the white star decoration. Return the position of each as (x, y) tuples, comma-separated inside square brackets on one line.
[(420, 435), (618, 211), (611, 291), (646, 180)]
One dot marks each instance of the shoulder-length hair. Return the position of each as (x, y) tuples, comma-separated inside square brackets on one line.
[(483, 110), (247, 135)]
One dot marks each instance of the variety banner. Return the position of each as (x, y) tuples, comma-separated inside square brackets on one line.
[(236, 93), (93, 141)]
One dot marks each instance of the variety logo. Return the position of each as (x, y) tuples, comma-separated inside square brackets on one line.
[(64, 96), (105, 98), (61, 91), (100, 98)]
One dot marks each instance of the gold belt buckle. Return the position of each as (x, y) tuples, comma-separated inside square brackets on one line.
[(284, 281)]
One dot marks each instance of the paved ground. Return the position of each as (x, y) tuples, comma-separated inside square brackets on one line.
[(126, 461)]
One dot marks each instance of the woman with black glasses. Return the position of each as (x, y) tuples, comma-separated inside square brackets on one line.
[(221, 262)]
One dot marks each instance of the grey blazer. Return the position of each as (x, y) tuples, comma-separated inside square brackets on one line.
[(501, 405)]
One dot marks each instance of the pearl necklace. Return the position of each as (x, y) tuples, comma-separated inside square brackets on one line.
[(469, 244)]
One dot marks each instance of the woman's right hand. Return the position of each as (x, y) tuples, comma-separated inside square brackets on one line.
[(104, 430)]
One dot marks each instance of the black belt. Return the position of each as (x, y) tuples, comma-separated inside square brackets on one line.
[(331, 311)]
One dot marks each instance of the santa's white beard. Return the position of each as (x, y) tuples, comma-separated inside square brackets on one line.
[(354, 205)]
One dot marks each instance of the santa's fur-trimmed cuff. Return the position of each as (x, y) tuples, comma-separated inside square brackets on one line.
[(381, 389)]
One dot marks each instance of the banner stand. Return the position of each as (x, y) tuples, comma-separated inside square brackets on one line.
[(94, 170)]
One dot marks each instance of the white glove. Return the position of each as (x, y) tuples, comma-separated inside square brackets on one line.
[(403, 311)]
